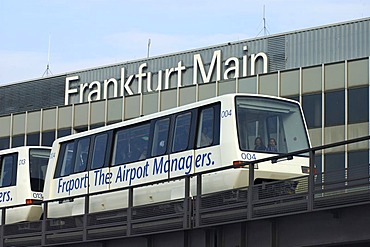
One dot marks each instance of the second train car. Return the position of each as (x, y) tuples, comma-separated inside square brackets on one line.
[(22, 179)]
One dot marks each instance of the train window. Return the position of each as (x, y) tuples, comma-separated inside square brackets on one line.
[(131, 144), (99, 151), (206, 128), (8, 170), (181, 132), (65, 165), (119, 147), (254, 130), (81, 155), (276, 135), (262, 123), (39, 159), (160, 137)]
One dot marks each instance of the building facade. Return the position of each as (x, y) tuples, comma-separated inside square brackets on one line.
[(325, 68)]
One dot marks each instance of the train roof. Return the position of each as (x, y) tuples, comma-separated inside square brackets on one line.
[(168, 112), (21, 148)]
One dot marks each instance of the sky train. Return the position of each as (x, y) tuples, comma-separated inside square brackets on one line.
[(22, 174), (201, 136)]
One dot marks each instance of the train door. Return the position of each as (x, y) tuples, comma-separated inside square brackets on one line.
[(100, 176), (156, 164), (181, 158), (71, 177), (207, 153), (129, 165)]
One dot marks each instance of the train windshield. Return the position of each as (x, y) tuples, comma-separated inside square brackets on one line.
[(270, 125), (39, 159)]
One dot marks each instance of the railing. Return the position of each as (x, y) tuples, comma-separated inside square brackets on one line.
[(340, 188)]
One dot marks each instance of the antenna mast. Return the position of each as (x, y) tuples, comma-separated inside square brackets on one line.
[(149, 41), (265, 30), (48, 71), (264, 21)]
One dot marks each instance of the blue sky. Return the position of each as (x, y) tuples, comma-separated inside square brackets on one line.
[(89, 33)]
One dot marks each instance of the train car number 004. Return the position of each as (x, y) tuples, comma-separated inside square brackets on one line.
[(248, 156), (226, 113)]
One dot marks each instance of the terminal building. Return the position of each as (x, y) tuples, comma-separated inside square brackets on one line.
[(325, 68)]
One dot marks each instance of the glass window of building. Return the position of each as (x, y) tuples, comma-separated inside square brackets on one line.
[(33, 139), (334, 170), (4, 143), (318, 167), (97, 125), (64, 132), (358, 167), (48, 138), (311, 105), (18, 141), (293, 97), (334, 108), (358, 105), (80, 129)]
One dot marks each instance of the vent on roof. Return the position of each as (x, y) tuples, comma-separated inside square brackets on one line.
[(276, 53)]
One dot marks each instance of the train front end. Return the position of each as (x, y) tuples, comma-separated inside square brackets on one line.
[(271, 127)]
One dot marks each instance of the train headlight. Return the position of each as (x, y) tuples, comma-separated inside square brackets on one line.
[(242, 164), (239, 164), (33, 202), (305, 169)]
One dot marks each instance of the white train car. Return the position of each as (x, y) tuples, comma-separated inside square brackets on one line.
[(22, 175), (200, 136)]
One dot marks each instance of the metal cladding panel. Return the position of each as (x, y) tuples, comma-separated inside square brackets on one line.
[(32, 95), (328, 44)]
